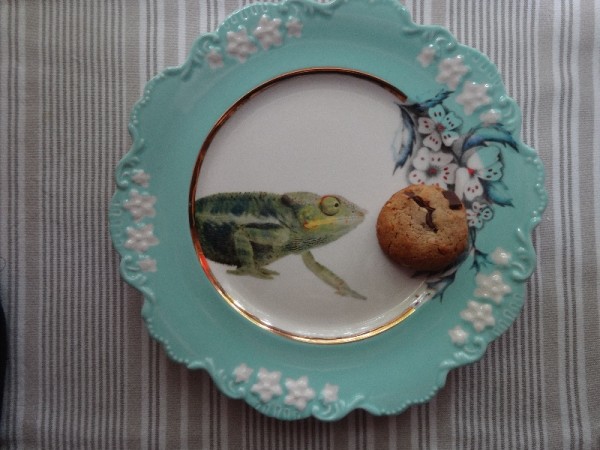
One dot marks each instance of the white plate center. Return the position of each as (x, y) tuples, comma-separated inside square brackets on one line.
[(321, 133)]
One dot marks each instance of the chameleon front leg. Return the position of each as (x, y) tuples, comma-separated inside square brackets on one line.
[(245, 254), (341, 287)]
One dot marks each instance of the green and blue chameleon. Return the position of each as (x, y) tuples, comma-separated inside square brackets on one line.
[(250, 230)]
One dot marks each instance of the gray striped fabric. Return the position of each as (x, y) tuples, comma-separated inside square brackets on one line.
[(83, 371)]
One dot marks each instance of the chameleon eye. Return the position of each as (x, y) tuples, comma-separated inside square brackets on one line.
[(329, 205)]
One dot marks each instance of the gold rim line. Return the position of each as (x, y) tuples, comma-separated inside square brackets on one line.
[(192, 199)]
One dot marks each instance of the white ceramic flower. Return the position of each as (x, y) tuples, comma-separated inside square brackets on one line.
[(329, 393), (500, 257), (451, 70), (214, 58), (458, 335), (439, 127), (294, 27), (147, 264), (479, 314), (490, 117), (267, 385), (242, 373), (491, 287), (140, 205), (240, 45), (473, 96), (140, 239), (426, 56), (484, 164), (267, 32), (478, 214), (434, 168), (140, 177), (299, 393)]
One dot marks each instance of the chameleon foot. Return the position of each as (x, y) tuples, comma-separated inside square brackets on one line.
[(341, 287), (258, 272), (345, 291)]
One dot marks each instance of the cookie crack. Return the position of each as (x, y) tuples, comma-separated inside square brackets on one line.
[(424, 204)]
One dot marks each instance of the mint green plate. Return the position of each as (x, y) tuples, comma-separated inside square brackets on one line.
[(255, 108)]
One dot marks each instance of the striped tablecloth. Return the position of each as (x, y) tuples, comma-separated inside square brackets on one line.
[(82, 369)]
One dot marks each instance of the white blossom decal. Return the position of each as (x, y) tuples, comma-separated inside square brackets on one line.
[(294, 27), (426, 56), (500, 257), (214, 59), (299, 393), (329, 393), (140, 205), (147, 264), (473, 96), (240, 45), (242, 373), (458, 335), (267, 32), (451, 70), (491, 287), (434, 168), (479, 314), (478, 214), (438, 128), (267, 385), (140, 177), (140, 239), (484, 164)]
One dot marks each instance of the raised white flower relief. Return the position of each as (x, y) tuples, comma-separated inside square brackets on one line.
[(267, 385), (490, 117), (451, 70), (140, 239), (329, 394), (214, 58), (294, 27), (299, 392), (147, 264), (240, 45), (267, 32), (140, 205), (242, 373), (426, 56), (491, 287), (500, 257), (140, 177), (458, 335), (479, 314), (473, 96)]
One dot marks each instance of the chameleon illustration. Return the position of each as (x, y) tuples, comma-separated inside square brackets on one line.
[(250, 230)]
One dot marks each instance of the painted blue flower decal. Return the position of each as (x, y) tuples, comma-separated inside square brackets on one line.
[(432, 145)]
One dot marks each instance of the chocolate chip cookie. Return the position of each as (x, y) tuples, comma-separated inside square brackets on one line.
[(423, 227)]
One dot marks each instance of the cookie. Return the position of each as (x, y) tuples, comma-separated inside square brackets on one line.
[(423, 227)]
